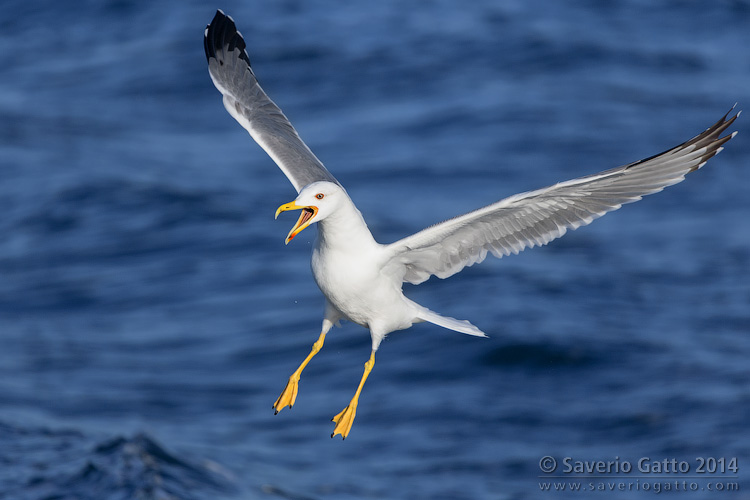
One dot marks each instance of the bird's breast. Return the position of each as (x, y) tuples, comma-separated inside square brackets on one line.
[(354, 284)]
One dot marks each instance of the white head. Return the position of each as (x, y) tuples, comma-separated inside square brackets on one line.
[(317, 201)]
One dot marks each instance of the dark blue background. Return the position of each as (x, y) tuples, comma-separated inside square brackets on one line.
[(150, 313)]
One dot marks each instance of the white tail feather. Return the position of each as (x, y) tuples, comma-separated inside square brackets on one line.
[(457, 325)]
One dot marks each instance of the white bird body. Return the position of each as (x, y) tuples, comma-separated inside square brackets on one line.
[(349, 267), (362, 279), (346, 264)]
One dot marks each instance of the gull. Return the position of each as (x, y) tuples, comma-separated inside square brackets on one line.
[(362, 279)]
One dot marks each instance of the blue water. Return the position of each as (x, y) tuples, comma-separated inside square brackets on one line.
[(150, 313)]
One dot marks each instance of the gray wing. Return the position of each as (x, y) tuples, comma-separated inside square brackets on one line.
[(537, 217), (229, 67)]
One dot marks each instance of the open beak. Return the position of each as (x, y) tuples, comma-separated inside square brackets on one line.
[(307, 215)]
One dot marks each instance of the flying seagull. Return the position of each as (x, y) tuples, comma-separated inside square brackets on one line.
[(361, 278)]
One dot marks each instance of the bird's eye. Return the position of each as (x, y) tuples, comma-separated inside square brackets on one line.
[(320, 196)]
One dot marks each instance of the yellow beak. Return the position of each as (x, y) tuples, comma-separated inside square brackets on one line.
[(307, 215)]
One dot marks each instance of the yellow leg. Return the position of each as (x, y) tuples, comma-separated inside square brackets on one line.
[(345, 419), (289, 395)]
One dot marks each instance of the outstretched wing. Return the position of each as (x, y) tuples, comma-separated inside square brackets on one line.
[(229, 67), (537, 217)]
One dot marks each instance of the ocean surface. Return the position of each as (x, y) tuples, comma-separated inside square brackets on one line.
[(150, 313)]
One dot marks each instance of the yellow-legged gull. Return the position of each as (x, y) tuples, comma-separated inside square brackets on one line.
[(361, 278)]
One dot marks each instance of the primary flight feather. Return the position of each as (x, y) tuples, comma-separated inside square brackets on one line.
[(361, 278)]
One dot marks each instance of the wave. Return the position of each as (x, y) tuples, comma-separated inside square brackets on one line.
[(67, 464)]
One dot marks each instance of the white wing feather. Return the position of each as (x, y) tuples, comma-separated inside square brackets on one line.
[(537, 217)]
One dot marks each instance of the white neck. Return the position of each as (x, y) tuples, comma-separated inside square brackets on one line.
[(345, 229)]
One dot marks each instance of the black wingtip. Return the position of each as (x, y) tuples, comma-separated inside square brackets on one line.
[(222, 35), (709, 139)]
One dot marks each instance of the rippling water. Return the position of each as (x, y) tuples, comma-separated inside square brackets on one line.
[(150, 312)]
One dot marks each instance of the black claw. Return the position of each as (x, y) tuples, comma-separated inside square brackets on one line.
[(276, 412)]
